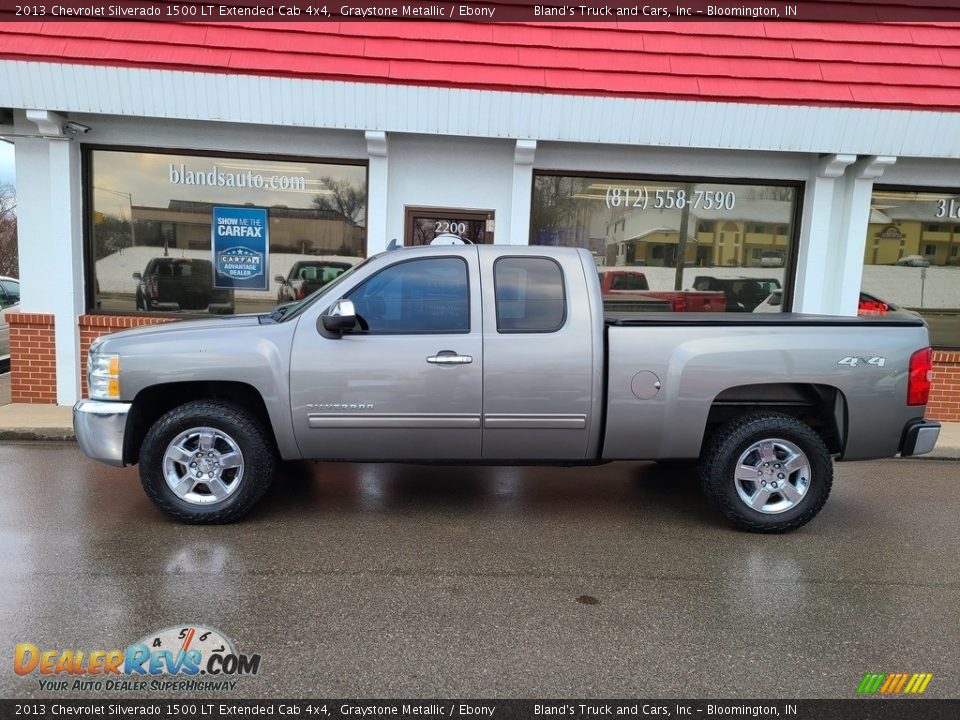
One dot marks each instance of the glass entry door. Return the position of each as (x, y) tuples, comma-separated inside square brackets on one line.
[(424, 224)]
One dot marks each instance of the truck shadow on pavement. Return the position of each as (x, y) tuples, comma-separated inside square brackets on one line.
[(643, 492)]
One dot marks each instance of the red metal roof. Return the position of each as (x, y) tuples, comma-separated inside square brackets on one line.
[(894, 65)]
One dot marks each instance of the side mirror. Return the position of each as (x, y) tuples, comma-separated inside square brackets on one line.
[(280, 279), (342, 317), (137, 276)]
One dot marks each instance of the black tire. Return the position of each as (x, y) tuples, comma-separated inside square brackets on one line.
[(723, 451), (243, 427)]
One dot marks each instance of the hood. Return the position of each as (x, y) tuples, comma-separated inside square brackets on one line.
[(160, 330)]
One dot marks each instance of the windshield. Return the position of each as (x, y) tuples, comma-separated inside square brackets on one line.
[(288, 312)]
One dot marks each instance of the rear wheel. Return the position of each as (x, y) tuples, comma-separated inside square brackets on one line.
[(767, 472), (207, 461)]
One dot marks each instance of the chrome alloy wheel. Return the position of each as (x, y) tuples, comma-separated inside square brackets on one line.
[(203, 465), (772, 476)]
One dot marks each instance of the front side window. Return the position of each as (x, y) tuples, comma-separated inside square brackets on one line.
[(178, 233), (912, 257), (679, 234), (416, 297), (529, 295)]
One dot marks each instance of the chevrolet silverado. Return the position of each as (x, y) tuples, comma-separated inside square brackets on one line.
[(503, 354)]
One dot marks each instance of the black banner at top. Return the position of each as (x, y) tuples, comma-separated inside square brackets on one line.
[(437, 709), (579, 11)]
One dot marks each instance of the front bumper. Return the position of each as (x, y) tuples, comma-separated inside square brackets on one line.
[(100, 428), (919, 438)]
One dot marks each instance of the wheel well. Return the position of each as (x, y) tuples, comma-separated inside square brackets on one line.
[(155, 401), (822, 407)]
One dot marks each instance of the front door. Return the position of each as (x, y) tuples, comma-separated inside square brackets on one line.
[(424, 224), (407, 384)]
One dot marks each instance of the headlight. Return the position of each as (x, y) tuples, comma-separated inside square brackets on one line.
[(103, 376)]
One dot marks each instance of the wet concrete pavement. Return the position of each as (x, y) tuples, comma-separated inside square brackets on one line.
[(407, 581)]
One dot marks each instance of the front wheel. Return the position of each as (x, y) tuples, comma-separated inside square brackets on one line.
[(207, 462), (767, 472)]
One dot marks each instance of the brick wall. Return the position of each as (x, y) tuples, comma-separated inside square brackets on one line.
[(33, 361), (945, 394), (93, 326)]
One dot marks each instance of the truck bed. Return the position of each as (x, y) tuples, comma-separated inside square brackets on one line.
[(666, 370)]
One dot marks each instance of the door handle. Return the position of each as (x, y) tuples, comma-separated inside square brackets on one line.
[(449, 357)]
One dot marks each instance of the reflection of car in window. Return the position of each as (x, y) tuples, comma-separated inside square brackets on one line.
[(743, 294), (306, 276), (181, 285), (771, 258), (9, 291), (9, 296), (914, 261), (627, 290), (867, 305)]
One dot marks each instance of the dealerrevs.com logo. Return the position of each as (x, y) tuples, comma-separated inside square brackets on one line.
[(894, 683), (179, 658)]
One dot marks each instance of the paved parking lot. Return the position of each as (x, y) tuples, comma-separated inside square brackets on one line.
[(374, 581)]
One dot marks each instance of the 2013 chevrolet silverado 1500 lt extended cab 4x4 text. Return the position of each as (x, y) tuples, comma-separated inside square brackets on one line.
[(501, 355)]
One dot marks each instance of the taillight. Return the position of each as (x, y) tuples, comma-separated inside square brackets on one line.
[(301, 292), (679, 303), (873, 307), (921, 374), (153, 288)]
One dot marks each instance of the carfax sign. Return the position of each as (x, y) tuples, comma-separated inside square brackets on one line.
[(241, 248)]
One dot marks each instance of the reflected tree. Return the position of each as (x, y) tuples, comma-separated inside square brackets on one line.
[(344, 198), (556, 206), (9, 262)]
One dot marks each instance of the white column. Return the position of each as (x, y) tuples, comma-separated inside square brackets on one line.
[(847, 270), (818, 223), (33, 176), (51, 240), (377, 180), (519, 229)]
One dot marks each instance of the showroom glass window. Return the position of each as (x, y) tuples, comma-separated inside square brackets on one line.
[(706, 237), (150, 228), (912, 258)]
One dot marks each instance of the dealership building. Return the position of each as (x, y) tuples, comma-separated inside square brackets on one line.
[(800, 164)]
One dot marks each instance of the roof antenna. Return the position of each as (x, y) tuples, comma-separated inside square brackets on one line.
[(393, 245)]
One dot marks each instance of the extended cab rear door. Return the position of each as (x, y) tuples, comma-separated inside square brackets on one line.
[(542, 340)]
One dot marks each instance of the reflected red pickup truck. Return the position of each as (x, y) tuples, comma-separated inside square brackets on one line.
[(625, 284)]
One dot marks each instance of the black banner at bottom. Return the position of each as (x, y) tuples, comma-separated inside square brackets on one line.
[(858, 709)]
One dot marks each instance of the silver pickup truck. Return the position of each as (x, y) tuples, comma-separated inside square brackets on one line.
[(503, 355)]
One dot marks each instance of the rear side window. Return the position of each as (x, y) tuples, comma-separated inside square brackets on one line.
[(416, 297), (529, 295)]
